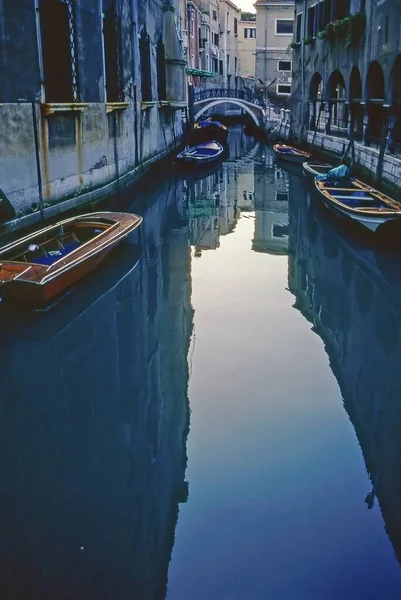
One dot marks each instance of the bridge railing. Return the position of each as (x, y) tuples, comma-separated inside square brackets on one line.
[(237, 93)]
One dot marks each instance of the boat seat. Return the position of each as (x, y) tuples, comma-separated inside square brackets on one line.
[(55, 255), (364, 198)]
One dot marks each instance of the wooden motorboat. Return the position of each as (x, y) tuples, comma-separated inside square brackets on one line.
[(311, 169), (43, 265), (209, 130), (357, 201), (291, 154), (202, 155)]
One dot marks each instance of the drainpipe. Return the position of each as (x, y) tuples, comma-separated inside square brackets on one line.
[(37, 156), (303, 33)]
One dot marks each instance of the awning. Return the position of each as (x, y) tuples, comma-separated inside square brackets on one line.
[(200, 73)]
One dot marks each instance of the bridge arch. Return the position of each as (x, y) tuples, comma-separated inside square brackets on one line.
[(241, 103)]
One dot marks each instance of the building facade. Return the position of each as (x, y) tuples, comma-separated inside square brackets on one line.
[(274, 33), (210, 38), (347, 72), (90, 93), (247, 48)]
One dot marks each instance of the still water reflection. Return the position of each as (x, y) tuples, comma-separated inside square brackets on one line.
[(215, 414)]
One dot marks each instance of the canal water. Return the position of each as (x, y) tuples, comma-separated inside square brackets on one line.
[(216, 413)]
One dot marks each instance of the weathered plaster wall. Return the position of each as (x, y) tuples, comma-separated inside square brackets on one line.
[(84, 152)]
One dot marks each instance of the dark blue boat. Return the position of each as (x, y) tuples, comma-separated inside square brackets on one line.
[(202, 155), (208, 130)]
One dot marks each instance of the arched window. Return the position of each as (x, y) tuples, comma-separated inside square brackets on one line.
[(161, 71), (146, 75), (58, 37)]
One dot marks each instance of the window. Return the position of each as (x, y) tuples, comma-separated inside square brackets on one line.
[(284, 65), (249, 32), (215, 65), (58, 37), (299, 25), (320, 17), (282, 196), (284, 26), (228, 63), (221, 67), (328, 12), (112, 54), (311, 32), (144, 54), (215, 15), (341, 9), (161, 70), (235, 65), (280, 231), (215, 38), (235, 26), (283, 89)]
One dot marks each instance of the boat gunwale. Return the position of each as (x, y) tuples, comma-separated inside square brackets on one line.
[(294, 151)]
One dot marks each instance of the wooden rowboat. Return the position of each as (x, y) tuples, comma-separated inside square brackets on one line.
[(315, 168), (357, 201), (290, 154), (202, 155), (43, 265)]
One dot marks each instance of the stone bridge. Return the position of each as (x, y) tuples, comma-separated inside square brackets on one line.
[(253, 104)]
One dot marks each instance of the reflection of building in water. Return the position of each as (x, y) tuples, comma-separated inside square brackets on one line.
[(94, 420), (357, 313), (271, 206), (212, 205)]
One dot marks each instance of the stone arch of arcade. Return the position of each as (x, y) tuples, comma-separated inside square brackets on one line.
[(336, 98), (368, 101), (375, 96), (316, 104), (255, 112)]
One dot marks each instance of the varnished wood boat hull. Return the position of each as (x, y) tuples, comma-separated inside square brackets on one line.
[(41, 285), (298, 158)]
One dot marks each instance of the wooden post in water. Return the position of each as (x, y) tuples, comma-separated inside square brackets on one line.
[(37, 156)]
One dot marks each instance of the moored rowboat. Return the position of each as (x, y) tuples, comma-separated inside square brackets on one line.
[(290, 154), (315, 168), (357, 201), (43, 265), (202, 155)]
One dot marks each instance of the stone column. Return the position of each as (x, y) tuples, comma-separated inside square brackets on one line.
[(365, 128), (328, 106), (312, 114), (390, 138)]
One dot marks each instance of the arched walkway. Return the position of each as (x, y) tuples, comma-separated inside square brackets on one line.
[(355, 99), (316, 105), (338, 108), (240, 103), (375, 97)]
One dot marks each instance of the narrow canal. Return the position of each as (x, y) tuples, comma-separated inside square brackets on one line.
[(216, 413)]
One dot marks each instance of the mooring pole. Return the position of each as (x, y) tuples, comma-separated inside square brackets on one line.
[(37, 155)]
